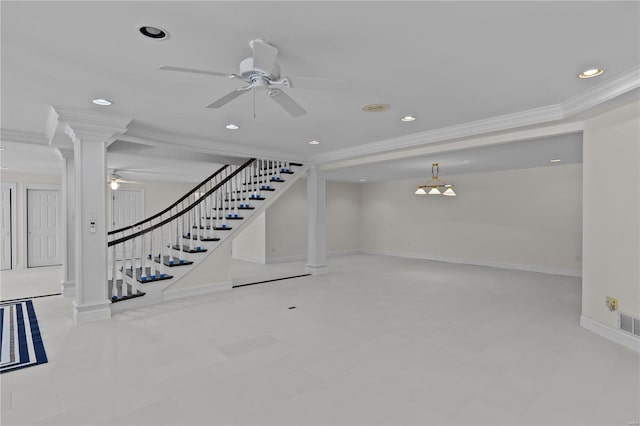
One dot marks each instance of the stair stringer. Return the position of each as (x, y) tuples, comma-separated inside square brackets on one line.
[(179, 287)]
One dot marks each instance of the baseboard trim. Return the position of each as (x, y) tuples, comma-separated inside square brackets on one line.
[(285, 259), (303, 257), (196, 291), (476, 262), (68, 288), (258, 260), (616, 336)]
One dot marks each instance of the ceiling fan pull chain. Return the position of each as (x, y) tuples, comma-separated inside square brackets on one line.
[(254, 102)]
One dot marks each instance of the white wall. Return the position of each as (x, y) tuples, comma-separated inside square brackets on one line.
[(250, 243), (525, 219), (286, 221), (21, 179), (159, 195), (611, 207)]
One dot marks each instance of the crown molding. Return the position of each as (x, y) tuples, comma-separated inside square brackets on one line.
[(616, 86), (159, 138), (512, 135), (19, 136)]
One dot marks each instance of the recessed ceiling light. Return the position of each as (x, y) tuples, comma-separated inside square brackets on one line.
[(4, 168), (375, 107), (103, 102), (156, 33), (556, 160), (363, 180), (232, 126), (408, 118), (314, 142), (1, 149), (593, 72)]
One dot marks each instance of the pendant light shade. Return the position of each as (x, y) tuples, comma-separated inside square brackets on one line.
[(436, 186), (114, 184)]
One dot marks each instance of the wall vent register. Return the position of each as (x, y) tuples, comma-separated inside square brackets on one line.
[(629, 324)]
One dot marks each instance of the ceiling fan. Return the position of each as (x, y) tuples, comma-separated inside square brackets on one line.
[(262, 71), (114, 180)]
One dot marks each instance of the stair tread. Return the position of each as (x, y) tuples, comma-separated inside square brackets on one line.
[(176, 261), (200, 238), (148, 274), (119, 287), (265, 181), (187, 249), (223, 229)]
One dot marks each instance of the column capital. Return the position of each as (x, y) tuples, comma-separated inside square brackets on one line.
[(81, 125), (65, 153)]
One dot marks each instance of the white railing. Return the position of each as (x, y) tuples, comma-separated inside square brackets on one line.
[(144, 251)]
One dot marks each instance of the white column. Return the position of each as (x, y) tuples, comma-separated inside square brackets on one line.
[(90, 133), (68, 283), (92, 301), (316, 223)]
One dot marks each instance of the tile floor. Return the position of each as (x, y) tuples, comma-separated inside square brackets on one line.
[(378, 341)]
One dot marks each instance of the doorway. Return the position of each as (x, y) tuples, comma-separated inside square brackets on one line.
[(127, 208), (43, 227)]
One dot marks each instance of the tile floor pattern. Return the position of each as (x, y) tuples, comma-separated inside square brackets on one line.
[(378, 341)]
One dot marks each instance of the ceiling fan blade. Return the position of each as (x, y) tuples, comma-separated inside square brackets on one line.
[(318, 83), (228, 97), (264, 55), (196, 71), (288, 104)]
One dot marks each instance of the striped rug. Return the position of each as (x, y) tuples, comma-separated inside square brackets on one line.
[(20, 341)]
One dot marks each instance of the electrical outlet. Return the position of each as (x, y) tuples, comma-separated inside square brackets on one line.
[(612, 303)]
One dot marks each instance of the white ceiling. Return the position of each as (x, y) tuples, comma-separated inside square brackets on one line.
[(506, 156), (448, 63)]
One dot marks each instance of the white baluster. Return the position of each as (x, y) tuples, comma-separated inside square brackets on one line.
[(171, 258), (180, 245), (143, 260), (161, 251), (133, 257), (114, 286)]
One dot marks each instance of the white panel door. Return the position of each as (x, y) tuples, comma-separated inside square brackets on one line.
[(5, 255), (128, 206), (43, 210)]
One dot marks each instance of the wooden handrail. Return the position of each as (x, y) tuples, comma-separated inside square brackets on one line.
[(178, 214), (187, 195)]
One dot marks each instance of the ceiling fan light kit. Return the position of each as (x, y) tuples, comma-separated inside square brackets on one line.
[(435, 186), (261, 71)]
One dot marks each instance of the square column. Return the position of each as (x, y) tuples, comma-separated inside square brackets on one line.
[(92, 302), (68, 282), (316, 223)]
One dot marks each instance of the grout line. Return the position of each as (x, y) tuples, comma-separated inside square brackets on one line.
[(270, 281)]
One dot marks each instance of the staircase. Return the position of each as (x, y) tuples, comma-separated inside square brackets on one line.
[(147, 257)]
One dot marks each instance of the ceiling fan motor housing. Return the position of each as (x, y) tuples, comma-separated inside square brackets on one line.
[(253, 75)]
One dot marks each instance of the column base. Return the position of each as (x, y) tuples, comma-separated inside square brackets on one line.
[(68, 288), (91, 312), (317, 270)]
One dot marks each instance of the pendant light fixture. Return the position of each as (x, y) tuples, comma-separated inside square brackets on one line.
[(435, 186)]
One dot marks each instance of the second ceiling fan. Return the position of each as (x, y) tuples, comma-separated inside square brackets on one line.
[(262, 71)]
